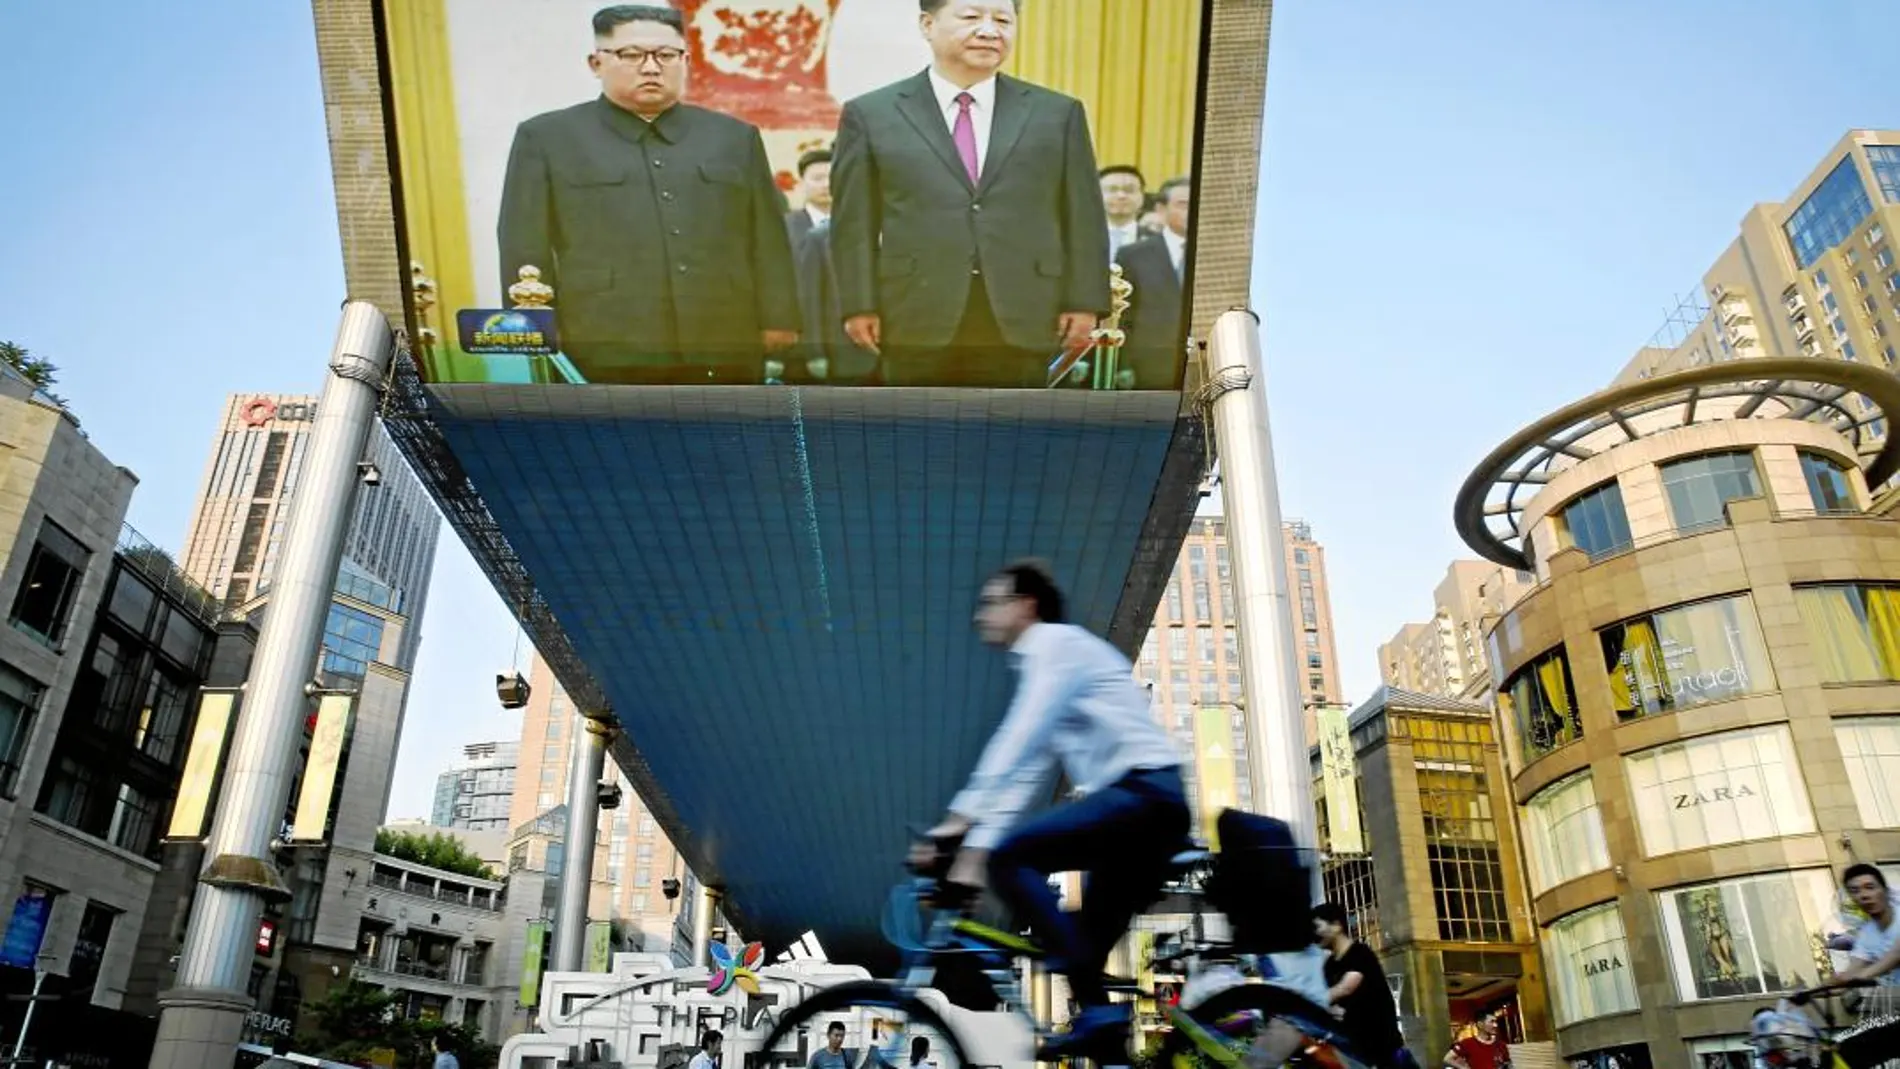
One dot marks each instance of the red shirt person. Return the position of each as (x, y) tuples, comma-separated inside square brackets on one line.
[(1486, 1050)]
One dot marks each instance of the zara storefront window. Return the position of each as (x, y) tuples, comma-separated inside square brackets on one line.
[(1678, 658)]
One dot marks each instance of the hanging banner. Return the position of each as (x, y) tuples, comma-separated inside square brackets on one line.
[(27, 928), (319, 777), (1214, 761), (600, 946), (531, 963), (202, 764), (1340, 775)]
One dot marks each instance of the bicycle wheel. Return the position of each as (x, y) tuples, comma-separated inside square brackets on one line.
[(876, 1015), (1221, 1033)]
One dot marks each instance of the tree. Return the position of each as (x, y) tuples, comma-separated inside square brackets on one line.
[(36, 370), (436, 850), (353, 1020)]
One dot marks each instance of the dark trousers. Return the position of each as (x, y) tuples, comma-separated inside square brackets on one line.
[(977, 357), (1872, 1047), (1121, 838)]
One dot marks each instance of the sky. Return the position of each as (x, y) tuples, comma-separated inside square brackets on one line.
[(1470, 213)]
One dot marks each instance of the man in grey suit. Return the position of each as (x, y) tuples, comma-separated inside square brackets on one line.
[(1156, 267), (657, 223), (967, 227)]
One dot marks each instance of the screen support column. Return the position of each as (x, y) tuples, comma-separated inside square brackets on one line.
[(1236, 398), (202, 1017), (583, 824)]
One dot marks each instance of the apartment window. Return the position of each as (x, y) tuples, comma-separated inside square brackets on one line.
[(642, 877), (1590, 967), (352, 639), (1828, 484), (1203, 608), (1848, 352), (1204, 644), (1223, 566), (1706, 652), (53, 574), (1314, 661), (1564, 833), (1179, 691), (548, 773), (1596, 523), (1460, 834), (1749, 936), (1210, 687), (1884, 258), (1700, 488), (1871, 750), (1885, 163), (1230, 645), (1733, 787), (19, 701), (1892, 357), (1316, 687), (1860, 277), (1853, 630), (1829, 215), (1197, 562), (1536, 703), (554, 727), (1177, 645), (89, 950), (1148, 650), (1174, 599)]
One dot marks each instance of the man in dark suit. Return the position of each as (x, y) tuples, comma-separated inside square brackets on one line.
[(656, 222), (1156, 267), (814, 186), (967, 225)]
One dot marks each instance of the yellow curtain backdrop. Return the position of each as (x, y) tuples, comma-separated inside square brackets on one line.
[(429, 158), (1557, 694), (1843, 647), (1638, 668), (1883, 619), (1132, 63)]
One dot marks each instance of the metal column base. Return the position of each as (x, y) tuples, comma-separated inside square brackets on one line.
[(199, 1028)]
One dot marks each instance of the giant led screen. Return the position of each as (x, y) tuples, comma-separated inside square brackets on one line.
[(970, 193)]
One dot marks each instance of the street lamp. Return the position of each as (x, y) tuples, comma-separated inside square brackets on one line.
[(40, 967)]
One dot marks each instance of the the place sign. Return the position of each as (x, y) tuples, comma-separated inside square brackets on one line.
[(261, 410)]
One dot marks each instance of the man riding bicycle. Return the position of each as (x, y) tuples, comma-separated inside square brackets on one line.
[(1876, 958), (1077, 705)]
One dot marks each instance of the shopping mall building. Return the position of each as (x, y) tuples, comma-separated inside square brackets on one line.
[(1700, 699)]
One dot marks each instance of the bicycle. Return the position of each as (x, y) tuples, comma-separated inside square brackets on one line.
[(929, 924), (1787, 1037)]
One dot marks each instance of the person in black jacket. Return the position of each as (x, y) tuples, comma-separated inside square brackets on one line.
[(1157, 269), (657, 223)]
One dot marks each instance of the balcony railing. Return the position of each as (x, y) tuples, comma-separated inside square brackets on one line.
[(482, 899), (158, 566)]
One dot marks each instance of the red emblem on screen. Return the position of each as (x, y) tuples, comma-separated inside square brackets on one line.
[(762, 60), (258, 411)]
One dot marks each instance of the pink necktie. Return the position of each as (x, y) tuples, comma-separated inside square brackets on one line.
[(964, 134)]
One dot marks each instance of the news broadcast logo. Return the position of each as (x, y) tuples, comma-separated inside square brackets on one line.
[(524, 331)]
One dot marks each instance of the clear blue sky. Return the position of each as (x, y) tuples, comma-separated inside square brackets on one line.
[(1470, 213)]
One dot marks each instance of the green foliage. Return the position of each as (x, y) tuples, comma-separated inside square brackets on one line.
[(36, 370), (356, 1019), (436, 850)]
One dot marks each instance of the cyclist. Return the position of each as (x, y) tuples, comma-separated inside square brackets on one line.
[(1077, 705), (1876, 957)]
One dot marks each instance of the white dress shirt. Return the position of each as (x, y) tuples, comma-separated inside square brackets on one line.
[(982, 111), (1077, 703), (1177, 251), (817, 215), (1119, 236)]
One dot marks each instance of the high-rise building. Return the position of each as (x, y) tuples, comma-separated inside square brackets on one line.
[(1191, 657), (633, 857), (237, 528), (1445, 657), (1813, 275), (477, 794)]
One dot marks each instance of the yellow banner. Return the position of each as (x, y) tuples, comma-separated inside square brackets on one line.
[(319, 775), (600, 946), (1339, 774), (201, 765), (1214, 766)]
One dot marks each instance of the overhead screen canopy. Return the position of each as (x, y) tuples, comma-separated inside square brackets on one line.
[(839, 192), (759, 553)]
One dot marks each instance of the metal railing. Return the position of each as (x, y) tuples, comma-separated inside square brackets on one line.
[(157, 565), (493, 901)]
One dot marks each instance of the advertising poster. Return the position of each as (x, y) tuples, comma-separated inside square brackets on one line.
[(822, 192), (531, 963), (1340, 775)]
